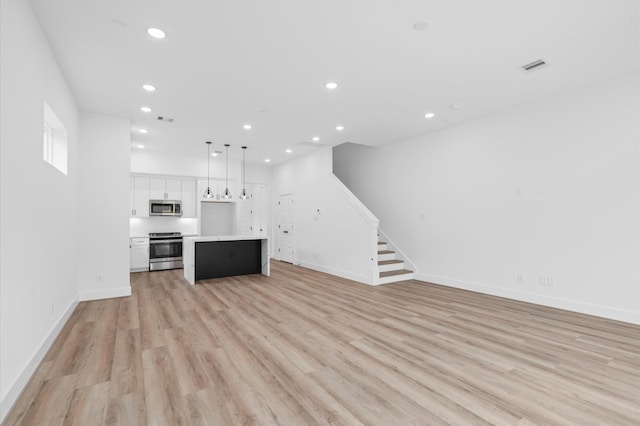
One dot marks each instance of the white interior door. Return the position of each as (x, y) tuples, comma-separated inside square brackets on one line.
[(285, 249)]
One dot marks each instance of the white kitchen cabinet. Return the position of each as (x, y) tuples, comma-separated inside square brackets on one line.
[(251, 213), (189, 198), (173, 189), (165, 189), (139, 252), (259, 206), (139, 195), (157, 187)]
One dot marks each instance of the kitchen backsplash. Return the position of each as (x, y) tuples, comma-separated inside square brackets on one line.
[(140, 227)]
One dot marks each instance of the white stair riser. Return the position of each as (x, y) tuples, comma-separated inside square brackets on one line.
[(389, 256), (395, 278), (382, 246), (391, 267)]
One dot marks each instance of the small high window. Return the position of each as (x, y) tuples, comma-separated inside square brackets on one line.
[(55, 140)]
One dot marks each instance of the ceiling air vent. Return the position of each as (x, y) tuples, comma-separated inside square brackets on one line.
[(313, 144), (165, 119), (534, 65)]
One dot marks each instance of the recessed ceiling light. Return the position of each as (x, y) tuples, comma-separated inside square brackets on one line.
[(143, 131), (420, 25), (156, 33), (139, 146), (266, 160), (149, 87), (145, 109), (331, 85), (339, 128), (315, 139), (247, 126), (213, 154), (288, 151), (429, 115)]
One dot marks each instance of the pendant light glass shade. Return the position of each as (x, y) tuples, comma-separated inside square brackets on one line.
[(243, 194), (227, 194), (208, 193)]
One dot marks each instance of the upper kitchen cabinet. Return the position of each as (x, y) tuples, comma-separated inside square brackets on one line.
[(165, 189), (188, 198), (139, 196)]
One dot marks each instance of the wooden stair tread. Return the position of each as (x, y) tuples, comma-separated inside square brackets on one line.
[(390, 262), (393, 273), (385, 252), (380, 243)]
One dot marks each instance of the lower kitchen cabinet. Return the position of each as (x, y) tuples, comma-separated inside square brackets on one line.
[(139, 260)]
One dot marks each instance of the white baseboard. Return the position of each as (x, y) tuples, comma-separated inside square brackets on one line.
[(331, 271), (538, 299), (18, 386), (105, 294)]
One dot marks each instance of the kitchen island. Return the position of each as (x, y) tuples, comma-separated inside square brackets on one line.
[(224, 256)]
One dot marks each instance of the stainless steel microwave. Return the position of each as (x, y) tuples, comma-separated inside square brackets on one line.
[(165, 208)]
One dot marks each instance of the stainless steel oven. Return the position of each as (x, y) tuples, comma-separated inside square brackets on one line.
[(165, 251)]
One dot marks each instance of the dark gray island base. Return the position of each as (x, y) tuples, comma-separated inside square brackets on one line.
[(224, 256), (215, 259)]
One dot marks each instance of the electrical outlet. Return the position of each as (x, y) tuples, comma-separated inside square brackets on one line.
[(99, 278), (547, 280), (520, 277)]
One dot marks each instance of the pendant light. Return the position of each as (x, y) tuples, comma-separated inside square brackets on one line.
[(243, 194), (208, 193), (227, 193)]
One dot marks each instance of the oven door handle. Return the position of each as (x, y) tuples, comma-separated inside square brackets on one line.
[(164, 241)]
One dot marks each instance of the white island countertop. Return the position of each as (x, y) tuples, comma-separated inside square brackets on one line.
[(189, 250), (224, 238)]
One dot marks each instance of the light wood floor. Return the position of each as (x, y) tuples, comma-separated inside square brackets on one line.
[(303, 347)]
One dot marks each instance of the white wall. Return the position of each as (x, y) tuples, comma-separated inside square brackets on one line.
[(103, 249), (141, 227), (549, 188), (217, 218), (38, 204), (330, 233)]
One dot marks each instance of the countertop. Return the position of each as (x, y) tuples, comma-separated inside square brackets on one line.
[(224, 238)]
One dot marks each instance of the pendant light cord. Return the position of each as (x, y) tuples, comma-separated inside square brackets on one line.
[(226, 171), (207, 193)]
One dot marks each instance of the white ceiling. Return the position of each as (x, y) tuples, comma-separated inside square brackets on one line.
[(229, 62)]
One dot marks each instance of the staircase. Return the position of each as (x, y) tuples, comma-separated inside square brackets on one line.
[(391, 269)]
